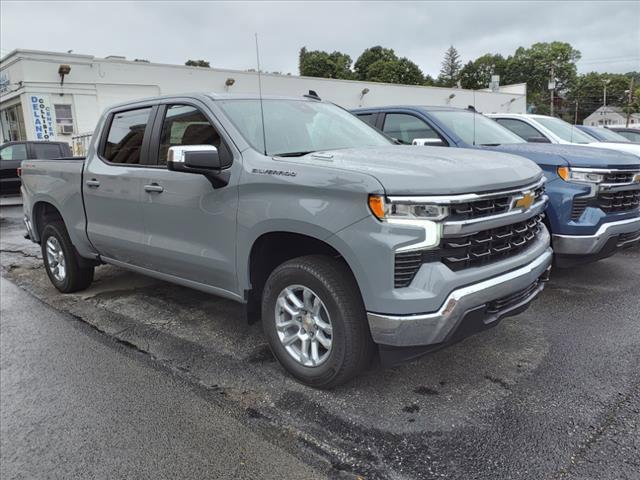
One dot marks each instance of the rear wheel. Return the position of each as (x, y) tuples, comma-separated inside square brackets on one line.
[(61, 260), (314, 319)]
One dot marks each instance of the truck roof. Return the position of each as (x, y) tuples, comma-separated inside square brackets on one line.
[(427, 108), (212, 96)]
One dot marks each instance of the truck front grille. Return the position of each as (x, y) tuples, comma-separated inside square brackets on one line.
[(619, 177), (489, 246), (611, 202), (468, 251), (514, 299), (487, 207)]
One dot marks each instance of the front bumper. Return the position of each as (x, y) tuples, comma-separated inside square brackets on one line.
[(594, 244), (497, 297)]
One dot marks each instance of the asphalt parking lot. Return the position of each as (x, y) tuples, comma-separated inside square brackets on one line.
[(552, 393)]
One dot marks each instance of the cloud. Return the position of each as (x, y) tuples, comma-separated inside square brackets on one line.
[(607, 33)]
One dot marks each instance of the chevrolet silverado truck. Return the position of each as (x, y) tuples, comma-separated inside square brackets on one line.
[(594, 194), (555, 130), (339, 240)]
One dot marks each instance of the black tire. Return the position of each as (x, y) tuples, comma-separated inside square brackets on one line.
[(352, 347), (76, 277)]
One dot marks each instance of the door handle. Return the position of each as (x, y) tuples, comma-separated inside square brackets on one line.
[(153, 188), (93, 183)]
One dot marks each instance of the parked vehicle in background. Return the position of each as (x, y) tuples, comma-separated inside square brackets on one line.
[(632, 134), (594, 206), (602, 134), (13, 153), (545, 129), (338, 238)]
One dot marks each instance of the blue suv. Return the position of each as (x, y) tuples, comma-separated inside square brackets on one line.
[(594, 194)]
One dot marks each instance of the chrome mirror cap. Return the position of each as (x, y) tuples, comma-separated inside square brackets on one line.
[(177, 154)]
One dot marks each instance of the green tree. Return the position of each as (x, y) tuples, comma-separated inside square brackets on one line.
[(477, 74), (402, 71), (533, 65), (588, 91), (450, 69), (197, 63), (371, 56), (316, 63)]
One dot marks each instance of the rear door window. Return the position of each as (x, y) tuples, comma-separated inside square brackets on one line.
[(406, 128), (125, 136), (47, 150), (369, 118), (520, 128), (14, 152)]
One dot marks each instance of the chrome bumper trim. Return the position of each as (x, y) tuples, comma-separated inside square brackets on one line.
[(591, 244), (432, 328)]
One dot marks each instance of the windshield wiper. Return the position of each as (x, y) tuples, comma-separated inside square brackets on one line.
[(293, 154), (490, 144)]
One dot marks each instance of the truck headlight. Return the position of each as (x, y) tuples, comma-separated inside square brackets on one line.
[(580, 175), (425, 216), (384, 210)]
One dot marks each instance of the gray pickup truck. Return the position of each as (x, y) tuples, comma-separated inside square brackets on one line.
[(337, 239)]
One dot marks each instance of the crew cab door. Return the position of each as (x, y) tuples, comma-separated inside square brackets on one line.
[(190, 226), (113, 182)]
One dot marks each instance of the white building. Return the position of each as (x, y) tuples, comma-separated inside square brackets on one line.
[(47, 95), (611, 116)]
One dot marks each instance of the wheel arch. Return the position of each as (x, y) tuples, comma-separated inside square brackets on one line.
[(273, 248), (44, 212)]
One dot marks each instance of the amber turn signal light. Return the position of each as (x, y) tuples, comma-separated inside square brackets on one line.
[(376, 204), (563, 173)]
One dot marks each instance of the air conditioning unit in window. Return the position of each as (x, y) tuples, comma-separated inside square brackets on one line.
[(65, 129)]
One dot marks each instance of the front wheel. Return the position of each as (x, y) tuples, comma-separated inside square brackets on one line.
[(315, 321), (61, 260)]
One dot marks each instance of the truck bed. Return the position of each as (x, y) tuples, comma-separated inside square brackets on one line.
[(59, 183)]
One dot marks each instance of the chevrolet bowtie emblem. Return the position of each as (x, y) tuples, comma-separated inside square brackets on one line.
[(525, 202)]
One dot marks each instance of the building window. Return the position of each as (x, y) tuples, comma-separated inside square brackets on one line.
[(64, 119), (12, 123)]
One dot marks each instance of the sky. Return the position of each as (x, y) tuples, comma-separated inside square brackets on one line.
[(607, 33)]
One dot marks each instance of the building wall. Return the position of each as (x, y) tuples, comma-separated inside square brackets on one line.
[(94, 84), (608, 116)]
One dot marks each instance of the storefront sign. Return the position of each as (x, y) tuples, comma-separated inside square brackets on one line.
[(42, 117), (4, 82)]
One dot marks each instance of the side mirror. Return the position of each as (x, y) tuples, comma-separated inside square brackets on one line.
[(198, 159), (538, 140), (431, 142)]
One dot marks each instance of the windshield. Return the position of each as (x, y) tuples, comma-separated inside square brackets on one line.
[(297, 127), (475, 129), (564, 130), (610, 136)]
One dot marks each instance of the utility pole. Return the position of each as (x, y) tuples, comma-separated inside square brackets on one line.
[(630, 101), (575, 119), (604, 101), (552, 86)]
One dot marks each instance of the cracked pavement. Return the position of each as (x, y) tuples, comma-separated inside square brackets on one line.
[(553, 393)]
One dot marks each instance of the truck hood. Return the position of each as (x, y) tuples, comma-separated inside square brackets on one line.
[(620, 147), (410, 170), (571, 155)]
